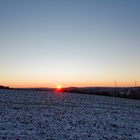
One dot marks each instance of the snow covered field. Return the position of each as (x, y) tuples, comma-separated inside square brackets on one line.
[(42, 115)]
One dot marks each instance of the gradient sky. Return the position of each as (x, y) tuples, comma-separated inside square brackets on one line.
[(69, 42)]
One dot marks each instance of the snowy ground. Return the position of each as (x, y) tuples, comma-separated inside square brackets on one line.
[(41, 115)]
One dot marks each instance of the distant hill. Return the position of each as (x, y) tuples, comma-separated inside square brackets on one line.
[(123, 92), (4, 87)]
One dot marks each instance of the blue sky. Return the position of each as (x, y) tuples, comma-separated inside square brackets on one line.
[(69, 42)]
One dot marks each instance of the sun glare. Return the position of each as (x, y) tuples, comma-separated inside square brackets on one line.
[(59, 87)]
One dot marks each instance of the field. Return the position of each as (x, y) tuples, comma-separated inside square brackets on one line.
[(44, 115)]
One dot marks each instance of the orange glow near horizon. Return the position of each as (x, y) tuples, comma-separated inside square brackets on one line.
[(68, 84)]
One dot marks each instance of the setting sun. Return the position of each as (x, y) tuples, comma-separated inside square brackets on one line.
[(59, 87)]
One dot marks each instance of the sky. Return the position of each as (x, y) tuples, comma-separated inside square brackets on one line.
[(44, 43)]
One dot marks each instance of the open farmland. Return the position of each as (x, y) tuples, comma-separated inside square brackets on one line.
[(44, 115)]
